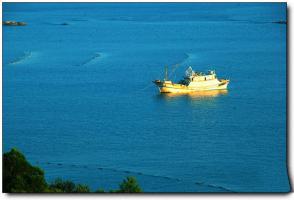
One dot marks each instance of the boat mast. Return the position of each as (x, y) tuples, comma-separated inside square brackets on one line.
[(166, 74)]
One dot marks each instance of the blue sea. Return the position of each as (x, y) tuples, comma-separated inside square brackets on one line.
[(78, 97)]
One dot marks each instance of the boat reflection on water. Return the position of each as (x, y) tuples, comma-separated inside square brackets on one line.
[(200, 99), (196, 95)]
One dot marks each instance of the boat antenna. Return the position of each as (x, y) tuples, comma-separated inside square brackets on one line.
[(166, 73)]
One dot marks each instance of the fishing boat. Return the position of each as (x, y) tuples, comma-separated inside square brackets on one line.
[(192, 82)]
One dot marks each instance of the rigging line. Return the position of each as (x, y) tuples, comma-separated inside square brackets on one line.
[(175, 67), (148, 86), (179, 64)]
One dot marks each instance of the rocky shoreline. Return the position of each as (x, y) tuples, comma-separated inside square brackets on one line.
[(13, 23)]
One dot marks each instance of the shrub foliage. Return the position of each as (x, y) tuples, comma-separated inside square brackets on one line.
[(20, 176)]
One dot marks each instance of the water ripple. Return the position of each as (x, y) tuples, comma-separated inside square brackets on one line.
[(144, 174), (90, 60), (26, 55)]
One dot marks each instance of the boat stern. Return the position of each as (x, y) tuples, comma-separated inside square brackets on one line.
[(170, 87)]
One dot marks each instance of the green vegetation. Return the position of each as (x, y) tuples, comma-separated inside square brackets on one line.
[(20, 176), (68, 187), (129, 185)]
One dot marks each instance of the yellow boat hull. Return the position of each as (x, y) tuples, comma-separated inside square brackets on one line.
[(169, 87)]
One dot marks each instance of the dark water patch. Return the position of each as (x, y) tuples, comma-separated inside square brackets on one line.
[(90, 60), (279, 22), (64, 24), (79, 20), (178, 180), (57, 24), (257, 22)]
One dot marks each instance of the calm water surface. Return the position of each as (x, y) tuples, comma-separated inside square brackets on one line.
[(79, 102)]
